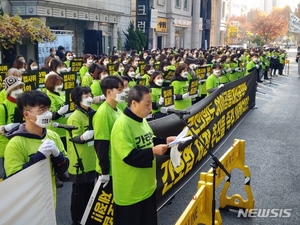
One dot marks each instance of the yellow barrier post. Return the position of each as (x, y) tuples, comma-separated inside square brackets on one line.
[(200, 208), (287, 64)]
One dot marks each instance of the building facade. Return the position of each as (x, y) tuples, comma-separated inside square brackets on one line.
[(109, 16)]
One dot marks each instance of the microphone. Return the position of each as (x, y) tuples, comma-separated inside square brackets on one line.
[(169, 111), (65, 126)]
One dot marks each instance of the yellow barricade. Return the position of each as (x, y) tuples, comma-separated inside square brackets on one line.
[(199, 209), (287, 65)]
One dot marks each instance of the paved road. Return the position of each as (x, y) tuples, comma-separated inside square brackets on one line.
[(272, 140)]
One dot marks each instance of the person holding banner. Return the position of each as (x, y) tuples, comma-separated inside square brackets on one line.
[(156, 82), (87, 79), (133, 152), (83, 182), (148, 69), (33, 65), (180, 84), (31, 142)]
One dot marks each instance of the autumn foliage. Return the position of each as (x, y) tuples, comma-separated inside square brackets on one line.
[(14, 29), (268, 27)]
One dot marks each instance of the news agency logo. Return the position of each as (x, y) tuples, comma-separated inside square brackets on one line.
[(262, 213)]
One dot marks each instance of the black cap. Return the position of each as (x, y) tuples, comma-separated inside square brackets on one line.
[(61, 47)]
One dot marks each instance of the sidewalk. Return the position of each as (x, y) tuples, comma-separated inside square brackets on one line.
[(271, 133)]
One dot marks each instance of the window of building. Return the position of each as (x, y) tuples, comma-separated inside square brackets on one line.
[(185, 4), (178, 4), (161, 2)]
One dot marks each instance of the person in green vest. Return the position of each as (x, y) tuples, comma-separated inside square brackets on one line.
[(99, 74), (118, 69), (82, 138), (253, 65), (148, 69), (31, 142), (133, 152), (156, 82), (9, 114), (129, 71), (11, 72), (87, 79), (213, 81), (282, 57), (104, 119), (267, 56), (58, 108), (69, 57), (236, 70), (226, 69), (180, 84), (87, 60)]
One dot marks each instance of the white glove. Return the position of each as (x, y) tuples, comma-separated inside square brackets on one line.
[(257, 66), (260, 63), (104, 179), (221, 85), (237, 69), (137, 76), (102, 97), (228, 70), (89, 134), (161, 100), (69, 69), (186, 95), (6, 128), (48, 148), (63, 110)]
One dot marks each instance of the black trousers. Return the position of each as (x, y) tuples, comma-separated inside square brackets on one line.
[(79, 200), (141, 213)]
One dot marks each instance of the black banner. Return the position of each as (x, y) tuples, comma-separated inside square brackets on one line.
[(211, 118), (30, 80)]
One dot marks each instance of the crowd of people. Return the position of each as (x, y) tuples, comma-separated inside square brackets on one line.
[(114, 98)]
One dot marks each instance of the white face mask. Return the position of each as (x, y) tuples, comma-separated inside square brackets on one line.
[(217, 72), (87, 101), (184, 74), (69, 58), (159, 82), (22, 70), (90, 61), (131, 74), (34, 67), (105, 63), (151, 71), (61, 70), (126, 91), (103, 76), (53, 53), (121, 69), (44, 119), (120, 97), (136, 63), (125, 62), (16, 93), (58, 88)]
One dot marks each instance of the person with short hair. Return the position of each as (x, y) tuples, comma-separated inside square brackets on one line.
[(103, 121), (32, 142), (60, 52), (82, 183), (133, 152), (50, 57)]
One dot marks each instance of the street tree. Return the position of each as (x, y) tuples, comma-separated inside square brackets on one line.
[(135, 39), (14, 29)]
